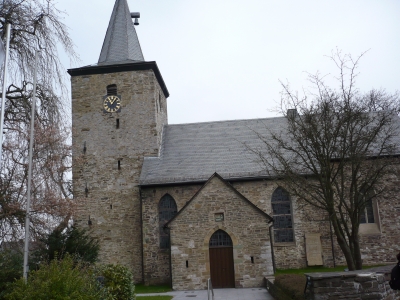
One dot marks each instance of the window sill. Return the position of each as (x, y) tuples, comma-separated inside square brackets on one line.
[(369, 229), (287, 244)]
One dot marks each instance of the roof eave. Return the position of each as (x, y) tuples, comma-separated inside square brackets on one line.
[(122, 67), (202, 181)]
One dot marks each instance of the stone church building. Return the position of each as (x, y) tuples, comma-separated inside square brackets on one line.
[(183, 203)]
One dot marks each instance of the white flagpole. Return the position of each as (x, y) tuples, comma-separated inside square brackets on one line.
[(3, 98), (28, 201)]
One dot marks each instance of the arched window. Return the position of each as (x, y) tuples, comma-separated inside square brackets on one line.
[(112, 90), (367, 214), (220, 239), (167, 209), (282, 214)]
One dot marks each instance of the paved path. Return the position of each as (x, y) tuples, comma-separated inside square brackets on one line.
[(219, 294)]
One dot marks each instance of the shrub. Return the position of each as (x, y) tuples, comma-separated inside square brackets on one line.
[(11, 269), (118, 282), (58, 280), (73, 241)]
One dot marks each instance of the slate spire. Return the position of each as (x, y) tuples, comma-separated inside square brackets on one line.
[(121, 43)]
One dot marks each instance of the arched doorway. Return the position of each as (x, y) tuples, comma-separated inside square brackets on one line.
[(221, 260)]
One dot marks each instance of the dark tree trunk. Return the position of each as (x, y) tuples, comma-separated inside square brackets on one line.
[(357, 251), (343, 246)]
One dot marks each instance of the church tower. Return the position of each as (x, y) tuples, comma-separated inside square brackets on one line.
[(119, 109)]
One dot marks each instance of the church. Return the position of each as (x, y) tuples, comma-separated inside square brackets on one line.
[(179, 204)]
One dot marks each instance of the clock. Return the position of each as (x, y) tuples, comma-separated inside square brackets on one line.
[(112, 103)]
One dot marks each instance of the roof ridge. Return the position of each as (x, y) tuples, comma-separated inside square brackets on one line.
[(121, 42), (226, 121)]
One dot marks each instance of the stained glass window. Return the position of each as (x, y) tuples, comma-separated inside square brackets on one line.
[(167, 209), (282, 214), (220, 239)]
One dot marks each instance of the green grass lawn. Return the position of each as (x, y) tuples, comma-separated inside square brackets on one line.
[(317, 269), (153, 297), (142, 289)]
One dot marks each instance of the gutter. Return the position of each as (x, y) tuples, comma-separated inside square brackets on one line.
[(170, 253), (141, 231)]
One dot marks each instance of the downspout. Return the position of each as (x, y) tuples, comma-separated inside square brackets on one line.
[(272, 244), (333, 249), (141, 226), (170, 253)]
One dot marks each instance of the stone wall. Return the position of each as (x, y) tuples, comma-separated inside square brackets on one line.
[(305, 219), (112, 202), (375, 247), (287, 255), (382, 246), (194, 225), (156, 262), (358, 285)]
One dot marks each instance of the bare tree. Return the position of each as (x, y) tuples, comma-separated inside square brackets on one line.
[(337, 149), (36, 25)]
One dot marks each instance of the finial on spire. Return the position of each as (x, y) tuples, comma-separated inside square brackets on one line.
[(135, 15), (121, 43)]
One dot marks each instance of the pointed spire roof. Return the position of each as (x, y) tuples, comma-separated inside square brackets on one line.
[(121, 43)]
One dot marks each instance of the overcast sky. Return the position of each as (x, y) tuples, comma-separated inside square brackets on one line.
[(223, 59)]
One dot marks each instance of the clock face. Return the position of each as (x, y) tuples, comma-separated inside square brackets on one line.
[(112, 104)]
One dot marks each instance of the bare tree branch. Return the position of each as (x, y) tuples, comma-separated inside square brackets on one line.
[(336, 150)]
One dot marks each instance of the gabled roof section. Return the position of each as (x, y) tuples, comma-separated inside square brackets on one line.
[(229, 186), (121, 42), (191, 152)]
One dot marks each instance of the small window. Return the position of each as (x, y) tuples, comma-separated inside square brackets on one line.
[(282, 214), (167, 209), (112, 90), (219, 217)]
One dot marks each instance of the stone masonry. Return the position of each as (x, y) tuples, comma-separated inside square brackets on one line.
[(192, 228), (306, 219), (358, 285), (156, 261), (107, 195)]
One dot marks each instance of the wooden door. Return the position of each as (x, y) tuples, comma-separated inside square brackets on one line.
[(222, 268)]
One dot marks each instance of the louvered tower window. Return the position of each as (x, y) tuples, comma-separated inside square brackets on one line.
[(220, 239), (112, 90), (167, 210), (282, 214)]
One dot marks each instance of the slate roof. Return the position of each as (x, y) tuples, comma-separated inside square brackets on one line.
[(121, 43), (193, 152)]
